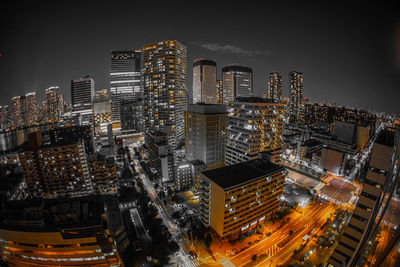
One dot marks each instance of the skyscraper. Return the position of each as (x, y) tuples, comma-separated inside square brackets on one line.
[(124, 79), (296, 104), (164, 89), (16, 111), (82, 94), (275, 85), (132, 115), (54, 102), (237, 81), (31, 115), (254, 125), (205, 81), (206, 133)]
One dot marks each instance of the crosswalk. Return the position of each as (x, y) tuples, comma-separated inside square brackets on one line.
[(272, 250)]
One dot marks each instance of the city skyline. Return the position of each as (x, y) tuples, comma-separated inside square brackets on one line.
[(340, 56)]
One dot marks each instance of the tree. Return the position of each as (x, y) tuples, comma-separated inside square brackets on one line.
[(254, 257), (290, 232)]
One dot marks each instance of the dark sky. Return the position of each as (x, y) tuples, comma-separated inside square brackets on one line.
[(349, 54)]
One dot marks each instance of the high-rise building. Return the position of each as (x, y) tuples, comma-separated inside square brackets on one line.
[(101, 112), (82, 94), (369, 203), (219, 92), (86, 231), (206, 134), (54, 104), (238, 198), (132, 115), (55, 170), (254, 125), (124, 79), (237, 81), (296, 104), (160, 155), (16, 111), (5, 117), (164, 89), (275, 85), (31, 115), (204, 81)]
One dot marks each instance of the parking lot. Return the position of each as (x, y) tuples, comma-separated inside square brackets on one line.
[(293, 193)]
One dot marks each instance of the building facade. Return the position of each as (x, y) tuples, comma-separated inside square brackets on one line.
[(219, 92), (132, 115), (254, 125), (62, 232), (275, 85), (296, 104), (101, 112), (82, 94), (206, 134), (237, 81), (54, 104), (124, 79), (164, 89), (237, 198), (204, 81)]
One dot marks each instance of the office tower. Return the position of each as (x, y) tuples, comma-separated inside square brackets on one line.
[(296, 104), (55, 170), (124, 79), (53, 104), (31, 115), (237, 81), (16, 111), (22, 112), (219, 92), (204, 81), (132, 115), (206, 134), (275, 85), (87, 231), (164, 89), (254, 125), (161, 157), (103, 174), (82, 94), (237, 198), (101, 112), (372, 200)]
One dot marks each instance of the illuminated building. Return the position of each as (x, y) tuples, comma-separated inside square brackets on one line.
[(132, 115), (365, 215), (237, 81), (69, 134), (62, 232), (206, 134), (187, 176), (164, 89), (101, 112), (16, 111), (219, 92), (54, 104), (296, 104), (55, 170), (22, 112), (103, 174), (31, 115), (82, 94), (275, 85), (254, 125), (237, 198), (205, 81), (124, 79)]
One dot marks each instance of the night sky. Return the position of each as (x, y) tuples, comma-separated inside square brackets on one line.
[(349, 55)]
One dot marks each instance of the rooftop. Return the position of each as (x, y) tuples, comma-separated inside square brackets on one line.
[(242, 173), (254, 99), (207, 108), (386, 138)]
